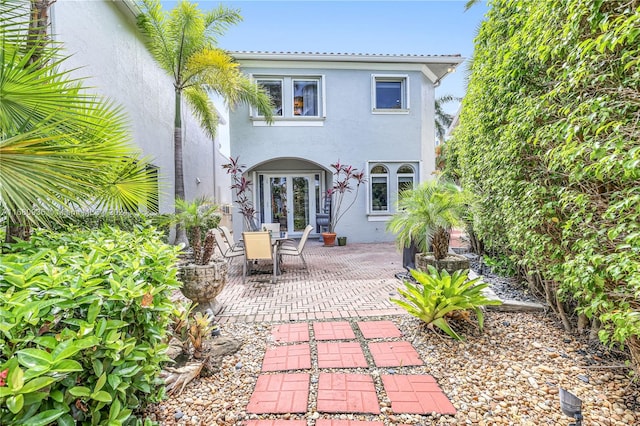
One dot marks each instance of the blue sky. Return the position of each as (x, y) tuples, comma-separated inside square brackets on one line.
[(388, 27)]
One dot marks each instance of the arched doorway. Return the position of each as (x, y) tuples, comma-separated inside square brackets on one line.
[(289, 192)]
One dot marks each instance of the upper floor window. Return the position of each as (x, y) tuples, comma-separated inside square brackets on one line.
[(390, 93), (274, 90), (379, 188), (294, 96), (305, 98)]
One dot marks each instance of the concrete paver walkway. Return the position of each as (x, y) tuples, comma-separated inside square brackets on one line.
[(287, 371)]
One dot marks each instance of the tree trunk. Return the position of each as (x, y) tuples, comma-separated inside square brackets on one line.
[(20, 230), (181, 235), (440, 242), (38, 25)]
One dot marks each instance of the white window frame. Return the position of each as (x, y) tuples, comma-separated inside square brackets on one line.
[(288, 119), (279, 79), (404, 80), (392, 167), (372, 176), (399, 175)]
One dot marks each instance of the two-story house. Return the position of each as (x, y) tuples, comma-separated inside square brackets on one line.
[(374, 112)]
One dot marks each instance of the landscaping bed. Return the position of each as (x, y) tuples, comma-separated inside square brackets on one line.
[(510, 374)]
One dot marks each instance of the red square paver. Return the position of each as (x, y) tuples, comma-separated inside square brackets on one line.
[(347, 393), (291, 357), (334, 330), (290, 333), (340, 355), (416, 394), (394, 354), (334, 422), (276, 423), (379, 329), (280, 393)]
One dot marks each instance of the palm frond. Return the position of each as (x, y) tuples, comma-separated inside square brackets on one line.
[(218, 20), (153, 24), (203, 109)]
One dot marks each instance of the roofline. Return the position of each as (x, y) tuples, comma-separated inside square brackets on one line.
[(348, 57)]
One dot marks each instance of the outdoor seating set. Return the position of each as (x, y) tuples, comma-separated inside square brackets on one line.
[(268, 244)]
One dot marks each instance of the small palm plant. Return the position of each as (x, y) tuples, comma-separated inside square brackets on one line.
[(437, 296), (426, 214), (197, 217)]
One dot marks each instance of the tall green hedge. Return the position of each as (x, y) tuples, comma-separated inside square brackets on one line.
[(549, 141), (83, 323)]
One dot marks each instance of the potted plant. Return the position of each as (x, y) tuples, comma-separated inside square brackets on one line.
[(203, 277), (344, 179), (425, 216), (242, 187)]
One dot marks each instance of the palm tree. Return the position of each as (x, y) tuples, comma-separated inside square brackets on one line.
[(426, 214), (443, 119), (61, 147), (183, 43)]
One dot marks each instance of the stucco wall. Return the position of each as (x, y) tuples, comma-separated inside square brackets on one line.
[(106, 46)]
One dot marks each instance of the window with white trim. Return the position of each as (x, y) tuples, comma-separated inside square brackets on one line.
[(390, 93), (387, 179), (379, 181), (406, 175), (294, 97)]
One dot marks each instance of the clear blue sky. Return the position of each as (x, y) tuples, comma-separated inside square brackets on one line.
[(387, 27)]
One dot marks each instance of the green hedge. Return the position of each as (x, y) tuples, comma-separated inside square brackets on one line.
[(95, 220), (549, 141), (83, 323)]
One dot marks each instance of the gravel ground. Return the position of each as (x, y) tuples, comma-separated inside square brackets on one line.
[(508, 375)]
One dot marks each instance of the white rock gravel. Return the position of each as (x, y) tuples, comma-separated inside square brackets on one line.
[(508, 375)]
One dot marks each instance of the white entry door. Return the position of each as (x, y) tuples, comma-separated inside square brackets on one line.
[(289, 199)]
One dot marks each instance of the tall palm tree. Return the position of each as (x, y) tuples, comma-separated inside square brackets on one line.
[(60, 147), (183, 42), (443, 119)]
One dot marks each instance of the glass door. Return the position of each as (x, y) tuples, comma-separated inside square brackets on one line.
[(288, 200)]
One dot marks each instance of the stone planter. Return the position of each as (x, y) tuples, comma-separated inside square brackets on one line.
[(203, 283), (451, 263)]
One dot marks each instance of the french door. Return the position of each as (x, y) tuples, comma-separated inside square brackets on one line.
[(289, 198)]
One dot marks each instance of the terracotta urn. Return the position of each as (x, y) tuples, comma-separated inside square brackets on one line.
[(329, 239)]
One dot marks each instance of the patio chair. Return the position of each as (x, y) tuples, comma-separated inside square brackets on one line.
[(289, 248), (228, 236), (228, 252), (257, 246)]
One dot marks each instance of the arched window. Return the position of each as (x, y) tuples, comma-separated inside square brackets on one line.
[(379, 175), (406, 177)]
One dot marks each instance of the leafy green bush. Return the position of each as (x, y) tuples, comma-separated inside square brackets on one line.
[(63, 221), (549, 142), (83, 324), (438, 295)]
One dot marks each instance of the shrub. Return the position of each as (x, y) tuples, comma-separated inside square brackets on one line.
[(63, 221), (438, 295), (83, 324), (549, 142)]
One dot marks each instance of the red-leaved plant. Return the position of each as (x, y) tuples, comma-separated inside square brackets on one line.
[(344, 179), (242, 188)]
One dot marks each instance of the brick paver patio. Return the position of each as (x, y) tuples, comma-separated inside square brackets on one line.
[(342, 282)]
